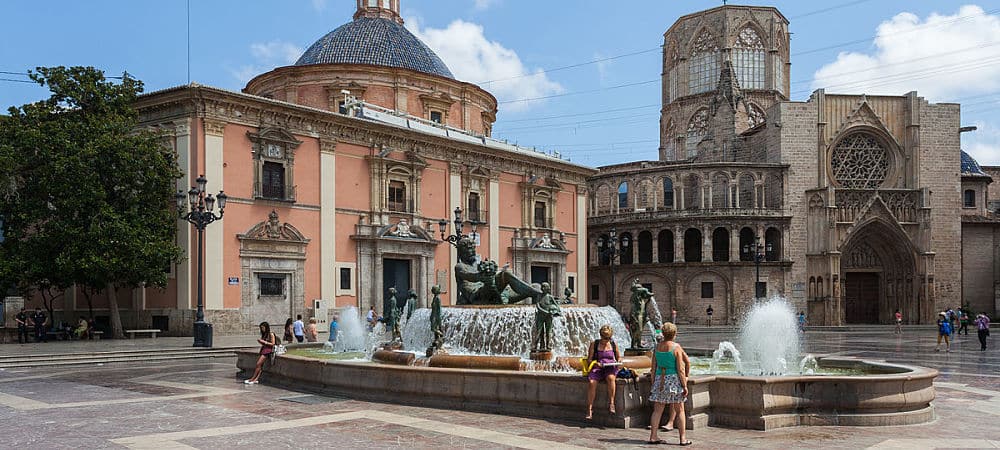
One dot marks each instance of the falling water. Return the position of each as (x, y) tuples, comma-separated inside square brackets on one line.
[(808, 365), (508, 330), (719, 355), (769, 337), (352, 333)]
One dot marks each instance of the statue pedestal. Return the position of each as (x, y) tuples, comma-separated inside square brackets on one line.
[(541, 355), (648, 352)]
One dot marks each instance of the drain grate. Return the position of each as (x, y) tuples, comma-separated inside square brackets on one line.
[(313, 399)]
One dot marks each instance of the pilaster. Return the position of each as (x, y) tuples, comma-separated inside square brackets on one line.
[(214, 234), (328, 220), (182, 135)]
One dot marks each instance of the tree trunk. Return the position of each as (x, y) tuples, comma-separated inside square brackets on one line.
[(116, 319), (90, 303)]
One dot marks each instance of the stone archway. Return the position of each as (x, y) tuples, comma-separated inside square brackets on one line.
[(879, 275)]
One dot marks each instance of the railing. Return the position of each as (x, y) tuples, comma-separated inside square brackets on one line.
[(543, 222), (274, 192), (663, 214), (480, 215)]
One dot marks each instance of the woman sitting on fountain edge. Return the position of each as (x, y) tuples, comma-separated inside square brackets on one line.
[(604, 355)]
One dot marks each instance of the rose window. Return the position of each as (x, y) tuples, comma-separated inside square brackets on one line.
[(860, 162)]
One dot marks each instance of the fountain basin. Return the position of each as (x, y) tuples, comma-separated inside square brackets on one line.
[(890, 394)]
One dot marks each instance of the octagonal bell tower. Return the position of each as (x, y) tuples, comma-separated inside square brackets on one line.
[(722, 69)]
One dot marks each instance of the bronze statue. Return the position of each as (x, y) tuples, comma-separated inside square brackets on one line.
[(391, 315), (436, 320), (567, 295), (411, 303), (482, 283), (546, 308), (644, 310)]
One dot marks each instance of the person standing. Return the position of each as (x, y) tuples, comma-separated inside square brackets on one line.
[(944, 332), (312, 334), (963, 321), (298, 329), (288, 330), (673, 316), (802, 321), (983, 330), (333, 328), (39, 319), (22, 326), (899, 322), (371, 319), (708, 312), (669, 384)]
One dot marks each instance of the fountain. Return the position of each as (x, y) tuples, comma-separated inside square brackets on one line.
[(479, 357)]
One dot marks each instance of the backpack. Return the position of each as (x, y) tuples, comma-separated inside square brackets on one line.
[(614, 347), (945, 327)]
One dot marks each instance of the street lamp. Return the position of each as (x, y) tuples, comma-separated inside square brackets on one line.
[(197, 208), (759, 251), (609, 249), (454, 238)]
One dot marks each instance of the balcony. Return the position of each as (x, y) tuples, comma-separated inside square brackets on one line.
[(479, 215), (284, 193), (544, 222)]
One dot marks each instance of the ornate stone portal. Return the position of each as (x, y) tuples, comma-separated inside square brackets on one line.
[(272, 266)]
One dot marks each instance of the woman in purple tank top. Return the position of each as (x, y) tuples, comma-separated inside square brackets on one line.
[(605, 357)]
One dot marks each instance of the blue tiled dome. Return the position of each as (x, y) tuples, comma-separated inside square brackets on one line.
[(970, 166), (375, 41)]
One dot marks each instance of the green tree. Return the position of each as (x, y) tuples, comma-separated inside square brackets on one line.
[(86, 192)]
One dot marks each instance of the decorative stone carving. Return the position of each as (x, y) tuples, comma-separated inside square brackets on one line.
[(859, 161), (273, 229), (402, 229), (862, 256)]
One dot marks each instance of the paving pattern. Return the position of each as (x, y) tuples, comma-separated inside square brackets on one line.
[(198, 404)]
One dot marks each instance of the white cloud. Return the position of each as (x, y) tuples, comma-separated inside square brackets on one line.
[(485, 4), (603, 64), (472, 57), (984, 143), (943, 57), (267, 56)]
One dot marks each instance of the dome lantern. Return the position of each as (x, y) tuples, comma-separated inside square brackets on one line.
[(381, 9)]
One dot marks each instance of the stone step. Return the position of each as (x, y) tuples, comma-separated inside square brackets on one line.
[(157, 356), (116, 353)]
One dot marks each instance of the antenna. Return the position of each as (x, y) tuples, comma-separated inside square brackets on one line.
[(189, 41)]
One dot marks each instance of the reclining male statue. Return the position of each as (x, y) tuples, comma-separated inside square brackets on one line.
[(482, 283)]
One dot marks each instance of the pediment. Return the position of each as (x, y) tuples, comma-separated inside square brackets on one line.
[(272, 229), (274, 134), (864, 116)]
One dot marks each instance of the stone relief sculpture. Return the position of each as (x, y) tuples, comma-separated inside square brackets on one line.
[(481, 283)]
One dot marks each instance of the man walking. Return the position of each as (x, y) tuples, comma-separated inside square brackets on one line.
[(298, 329), (708, 312), (22, 326), (983, 329), (39, 319)]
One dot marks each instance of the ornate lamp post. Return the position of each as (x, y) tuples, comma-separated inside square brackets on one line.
[(454, 238), (609, 249), (759, 252), (197, 208)]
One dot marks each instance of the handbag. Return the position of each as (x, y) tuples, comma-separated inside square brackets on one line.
[(280, 349)]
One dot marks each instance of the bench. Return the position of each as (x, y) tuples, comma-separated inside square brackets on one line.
[(97, 334), (131, 333), (60, 335)]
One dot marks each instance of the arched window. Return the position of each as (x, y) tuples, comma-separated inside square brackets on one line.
[(720, 245), (859, 161), (671, 57), (625, 244), (692, 192), (703, 65), (623, 195), (668, 193), (748, 59), (720, 191), (603, 256), (820, 289), (811, 292), (692, 245), (697, 130), (747, 244), (774, 190), (772, 243), (645, 247), (746, 188), (969, 199), (665, 247)]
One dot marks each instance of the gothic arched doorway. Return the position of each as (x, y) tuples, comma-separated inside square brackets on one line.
[(878, 270)]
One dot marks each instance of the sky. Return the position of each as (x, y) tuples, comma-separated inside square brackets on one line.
[(578, 77)]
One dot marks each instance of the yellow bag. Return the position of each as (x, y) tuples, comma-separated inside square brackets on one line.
[(586, 365)]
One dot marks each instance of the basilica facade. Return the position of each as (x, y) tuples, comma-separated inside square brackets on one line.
[(847, 205), (344, 173)]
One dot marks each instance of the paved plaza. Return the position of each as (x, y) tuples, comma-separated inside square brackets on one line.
[(201, 404)]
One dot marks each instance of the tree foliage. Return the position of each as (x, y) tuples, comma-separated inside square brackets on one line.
[(85, 193)]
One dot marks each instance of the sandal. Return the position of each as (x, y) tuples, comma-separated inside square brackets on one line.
[(611, 408), (686, 443), (658, 441), (590, 413)]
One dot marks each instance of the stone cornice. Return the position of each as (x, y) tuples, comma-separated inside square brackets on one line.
[(214, 127), (185, 101)]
